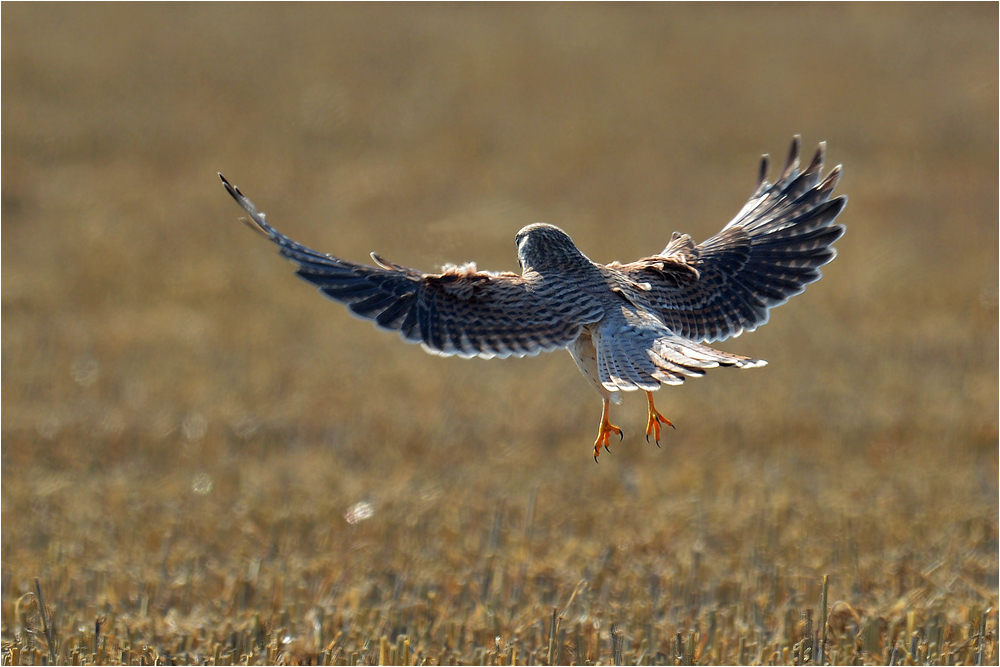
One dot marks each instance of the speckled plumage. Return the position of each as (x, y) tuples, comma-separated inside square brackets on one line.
[(627, 326)]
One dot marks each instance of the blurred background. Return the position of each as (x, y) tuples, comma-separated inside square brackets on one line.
[(202, 452)]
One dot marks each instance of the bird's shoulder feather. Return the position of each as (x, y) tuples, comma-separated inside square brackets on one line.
[(467, 283)]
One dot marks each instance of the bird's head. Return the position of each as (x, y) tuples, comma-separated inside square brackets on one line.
[(541, 246)]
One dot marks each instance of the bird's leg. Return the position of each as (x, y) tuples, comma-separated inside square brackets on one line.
[(607, 428), (654, 421)]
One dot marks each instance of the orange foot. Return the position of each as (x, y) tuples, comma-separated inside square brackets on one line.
[(607, 428), (654, 421)]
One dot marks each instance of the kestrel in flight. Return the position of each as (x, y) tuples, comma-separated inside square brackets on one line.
[(627, 326)]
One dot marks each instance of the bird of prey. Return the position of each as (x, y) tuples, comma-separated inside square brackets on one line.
[(628, 326)]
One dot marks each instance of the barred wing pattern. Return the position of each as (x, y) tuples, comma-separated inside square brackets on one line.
[(768, 253), (461, 311)]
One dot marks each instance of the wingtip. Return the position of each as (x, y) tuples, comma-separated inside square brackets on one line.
[(256, 220), (832, 179), (792, 163), (233, 191), (765, 164), (820, 156)]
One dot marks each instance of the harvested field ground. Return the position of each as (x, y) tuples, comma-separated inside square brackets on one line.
[(203, 462)]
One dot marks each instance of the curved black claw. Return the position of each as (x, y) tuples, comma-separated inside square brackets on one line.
[(621, 435), (595, 459)]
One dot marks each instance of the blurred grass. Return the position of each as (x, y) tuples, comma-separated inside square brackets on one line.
[(188, 432)]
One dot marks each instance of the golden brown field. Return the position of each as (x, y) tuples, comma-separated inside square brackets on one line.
[(203, 462)]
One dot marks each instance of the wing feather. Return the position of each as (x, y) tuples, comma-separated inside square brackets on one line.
[(460, 311), (768, 253)]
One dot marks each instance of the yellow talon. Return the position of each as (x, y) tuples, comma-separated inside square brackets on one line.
[(654, 421), (607, 428)]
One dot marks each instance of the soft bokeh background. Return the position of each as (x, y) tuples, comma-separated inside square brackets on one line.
[(210, 458)]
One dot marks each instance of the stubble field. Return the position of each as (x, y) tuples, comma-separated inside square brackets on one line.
[(205, 462)]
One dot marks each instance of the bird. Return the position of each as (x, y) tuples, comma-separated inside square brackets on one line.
[(628, 327)]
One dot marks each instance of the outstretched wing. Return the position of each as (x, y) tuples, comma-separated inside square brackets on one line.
[(460, 311), (769, 252)]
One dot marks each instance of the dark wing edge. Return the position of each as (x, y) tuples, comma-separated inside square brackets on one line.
[(767, 254), (460, 312)]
